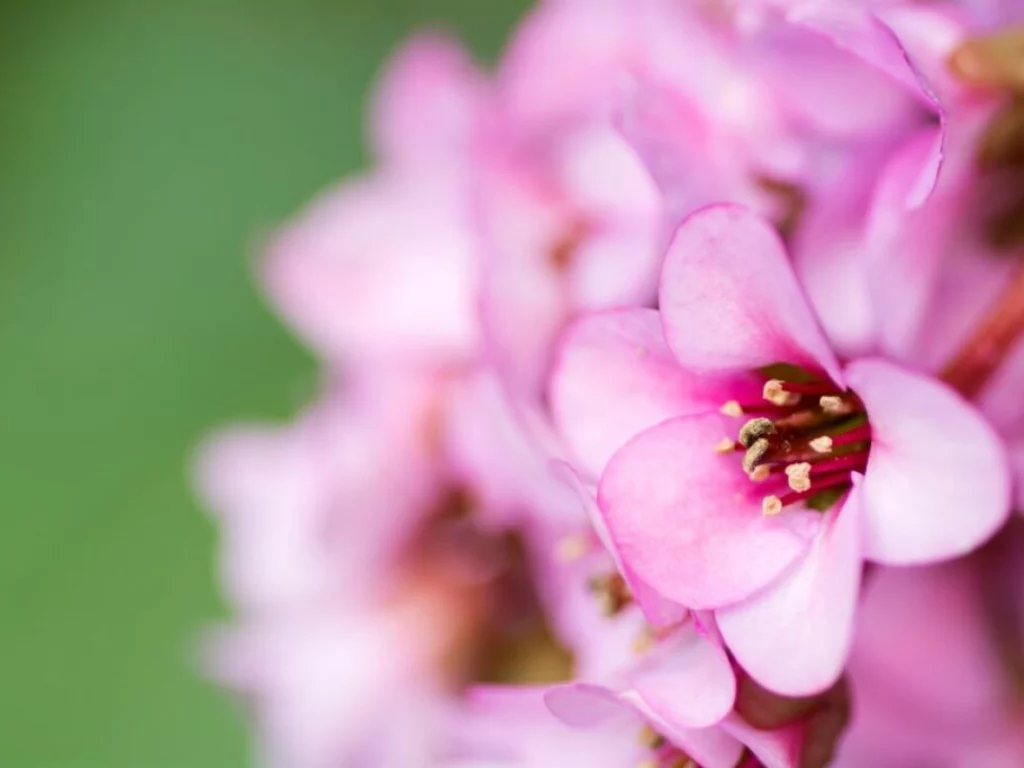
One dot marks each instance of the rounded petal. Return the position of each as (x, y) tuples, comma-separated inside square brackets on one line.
[(380, 268), (615, 377), (730, 300), (687, 520), (689, 682), (658, 610), (794, 637), (937, 482), (427, 101)]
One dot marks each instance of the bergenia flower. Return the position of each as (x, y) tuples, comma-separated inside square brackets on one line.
[(744, 469)]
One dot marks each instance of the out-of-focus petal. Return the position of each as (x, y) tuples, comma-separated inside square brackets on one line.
[(689, 522), (730, 300), (937, 482), (379, 269), (428, 102)]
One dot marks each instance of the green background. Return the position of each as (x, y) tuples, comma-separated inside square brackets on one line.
[(144, 149)]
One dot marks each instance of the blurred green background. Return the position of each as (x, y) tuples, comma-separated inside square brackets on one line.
[(144, 149)]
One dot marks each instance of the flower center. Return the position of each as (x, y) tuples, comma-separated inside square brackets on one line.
[(802, 442)]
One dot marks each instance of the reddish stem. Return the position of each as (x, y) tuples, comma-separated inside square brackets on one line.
[(977, 359)]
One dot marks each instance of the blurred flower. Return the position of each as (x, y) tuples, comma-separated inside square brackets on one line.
[(585, 485)]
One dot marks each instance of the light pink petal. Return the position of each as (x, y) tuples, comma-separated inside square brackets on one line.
[(583, 705), (794, 637), (512, 727), (687, 520), (937, 482), (730, 300), (689, 682), (491, 452), (615, 376), (711, 747), (380, 268), (779, 748), (692, 164), (525, 298), (658, 610), (903, 249), (427, 102), (828, 87), (564, 61)]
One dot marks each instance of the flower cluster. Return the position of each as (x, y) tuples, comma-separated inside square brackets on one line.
[(673, 406)]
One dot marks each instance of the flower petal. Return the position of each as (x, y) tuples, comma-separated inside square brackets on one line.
[(689, 681), (615, 377), (688, 521), (937, 483), (428, 101), (380, 268), (730, 300), (794, 637)]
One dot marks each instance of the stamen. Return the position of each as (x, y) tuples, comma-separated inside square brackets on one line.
[(771, 505), (834, 405), (799, 476), (733, 409), (650, 738), (572, 547), (611, 593), (726, 446), (775, 393), (760, 473), (754, 454), (644, 641), (821, 444), (755, 429)]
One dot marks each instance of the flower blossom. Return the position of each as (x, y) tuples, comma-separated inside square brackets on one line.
[(744, 469)]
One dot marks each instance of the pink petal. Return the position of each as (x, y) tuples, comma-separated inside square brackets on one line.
[(614, 377), (583, 705), (428, 101), (711, 747), (379, 268), (656, 609), (937, 483), (730, 300), (688, 521), (778, 748), (794, 637), (688, 682)]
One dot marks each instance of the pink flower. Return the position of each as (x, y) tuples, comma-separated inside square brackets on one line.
[(713, 512), (350, 532)]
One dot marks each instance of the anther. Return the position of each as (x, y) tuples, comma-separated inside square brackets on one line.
[(572, 547), (760, 473), (733, 409), (650, 738), (726, 446), (755, 429), (821, 444), (775, 393), (771, 506), (834, 405), (799, 476), (754, 454)]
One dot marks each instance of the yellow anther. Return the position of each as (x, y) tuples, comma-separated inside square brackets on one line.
[(821, 444), (799, 476), (771, 506), (733, 409)]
